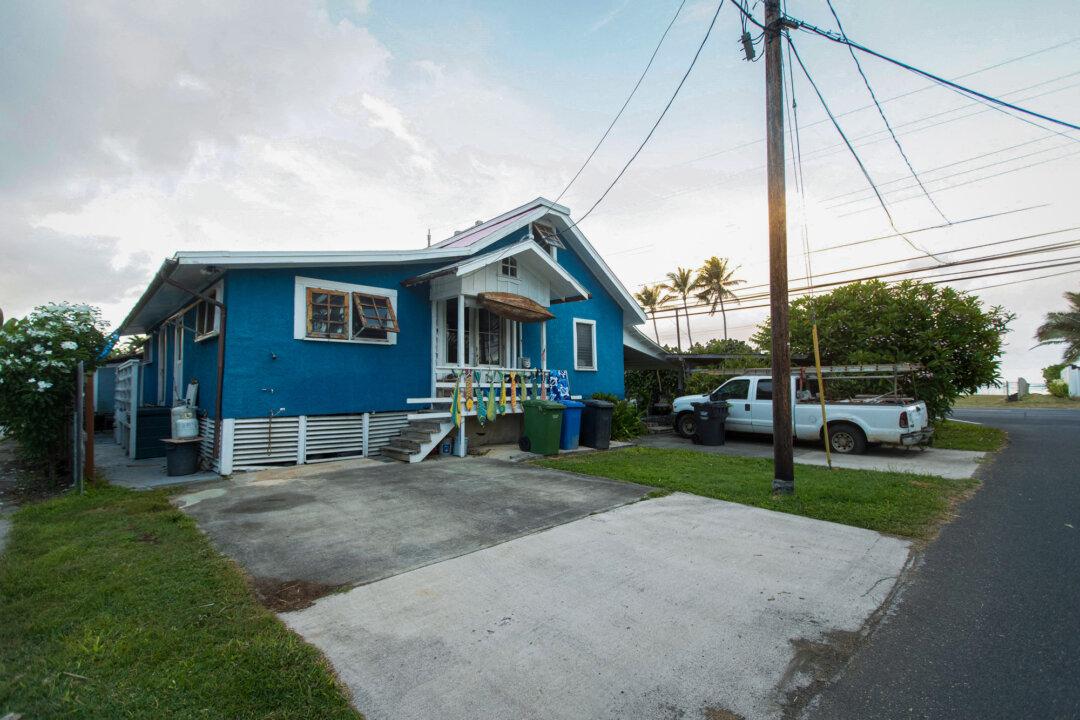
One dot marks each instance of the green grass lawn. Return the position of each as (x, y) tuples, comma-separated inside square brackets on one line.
[(113, 605), (1030, 402), (952, 435), (898, 503)]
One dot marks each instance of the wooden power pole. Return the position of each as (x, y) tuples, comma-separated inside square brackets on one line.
[(783, 461)]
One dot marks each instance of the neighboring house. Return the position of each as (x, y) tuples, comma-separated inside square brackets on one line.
[(334, 353)]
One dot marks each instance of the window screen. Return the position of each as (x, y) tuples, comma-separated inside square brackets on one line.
[(586, 346)]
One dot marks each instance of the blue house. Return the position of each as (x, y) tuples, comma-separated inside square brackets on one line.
[(315, 355)]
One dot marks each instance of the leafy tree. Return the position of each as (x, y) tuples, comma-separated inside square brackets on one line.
[(39, 355), (651, 298), (1052, 373), (1063, 328), (956, 340), (682, 282), (714, 282)]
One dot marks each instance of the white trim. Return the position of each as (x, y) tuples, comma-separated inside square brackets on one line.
[(607, 272), (300, 287), (218, 289), (592, 323), (178, 361)]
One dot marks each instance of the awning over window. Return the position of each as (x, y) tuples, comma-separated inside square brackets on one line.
[(514, 307)]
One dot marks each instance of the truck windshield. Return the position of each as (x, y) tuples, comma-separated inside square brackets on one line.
[(737, 389)]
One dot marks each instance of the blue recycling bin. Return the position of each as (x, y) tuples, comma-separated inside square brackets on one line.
[(571, 424)]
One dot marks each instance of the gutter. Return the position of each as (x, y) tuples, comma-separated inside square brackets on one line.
[(163, 277)]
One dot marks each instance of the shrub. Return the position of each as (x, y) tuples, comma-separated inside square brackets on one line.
[(626, 420), (1058, 388), (39, 357), (1052, 373)]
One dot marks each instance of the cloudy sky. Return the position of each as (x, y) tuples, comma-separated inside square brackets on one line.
[(131, 130)]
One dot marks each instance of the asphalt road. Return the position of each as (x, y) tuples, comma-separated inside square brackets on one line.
[(988, 625)]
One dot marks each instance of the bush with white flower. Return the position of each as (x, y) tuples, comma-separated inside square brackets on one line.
[(39, 357)]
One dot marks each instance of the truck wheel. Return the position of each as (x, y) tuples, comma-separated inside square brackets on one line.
[(685, 425), (847, 439)]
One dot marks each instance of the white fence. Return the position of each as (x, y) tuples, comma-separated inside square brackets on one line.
[(249, 443), (126, 404)]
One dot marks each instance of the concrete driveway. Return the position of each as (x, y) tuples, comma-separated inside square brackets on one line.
[(676, 607), (374, 520), (954, 464)]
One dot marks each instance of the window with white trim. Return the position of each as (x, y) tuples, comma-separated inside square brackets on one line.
[(584, 344), (208, 315), (509, 267), (344, 312)]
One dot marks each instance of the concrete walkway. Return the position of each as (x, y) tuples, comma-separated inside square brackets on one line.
[(145, 474), (678, 607), (954, 464)]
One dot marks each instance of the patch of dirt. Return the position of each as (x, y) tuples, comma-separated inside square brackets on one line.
[(289, 595), (712, 713), (19, 485), (148, 537)]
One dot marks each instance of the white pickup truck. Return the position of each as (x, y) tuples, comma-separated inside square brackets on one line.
[(853, 424)]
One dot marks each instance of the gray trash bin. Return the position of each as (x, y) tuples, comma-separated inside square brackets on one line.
[(596, 424), (709, 420), (181, 456)]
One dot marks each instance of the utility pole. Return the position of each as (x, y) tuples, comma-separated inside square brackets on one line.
[(783, 461)]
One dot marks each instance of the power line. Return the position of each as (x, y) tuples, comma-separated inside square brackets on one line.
[(1050, 247), (930, 76), (1017, 282), (976, 180), (628, 99), (881, 112), (858, 160), (892, 98), (693, 62)]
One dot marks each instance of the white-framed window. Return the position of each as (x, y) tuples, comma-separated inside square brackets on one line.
[(509, 267), (330, 311), (584, 344), (208, 315)]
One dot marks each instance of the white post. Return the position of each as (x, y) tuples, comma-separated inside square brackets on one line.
[(434, 346), (366, 434), (228, 435), (461, 331), (543, 345), (301, 440)]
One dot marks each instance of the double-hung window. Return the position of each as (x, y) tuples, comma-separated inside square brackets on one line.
[(584, 344), (344, 312)]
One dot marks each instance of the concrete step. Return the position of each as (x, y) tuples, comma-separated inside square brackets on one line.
[(406, 444), (420, 436), (428, 426), (396, 453)]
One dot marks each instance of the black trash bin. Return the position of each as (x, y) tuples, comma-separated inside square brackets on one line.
[(709, 420), (596, 424), (181, 456)]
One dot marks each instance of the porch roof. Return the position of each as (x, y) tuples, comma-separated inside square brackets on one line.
[(564, 287)]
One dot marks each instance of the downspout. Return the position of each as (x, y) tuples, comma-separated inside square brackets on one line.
[(220, 351)]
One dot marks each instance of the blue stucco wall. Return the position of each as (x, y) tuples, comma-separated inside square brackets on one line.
[(312, 377), (601, 307)]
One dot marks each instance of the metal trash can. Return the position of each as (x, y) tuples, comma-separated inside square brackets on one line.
[(543, 426), (596, 424), (709, 420), (570, 435), (181, 456)]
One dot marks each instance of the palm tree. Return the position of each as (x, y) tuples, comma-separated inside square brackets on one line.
[(1063, 328), (714, 282), (682, 282), (651, 298)]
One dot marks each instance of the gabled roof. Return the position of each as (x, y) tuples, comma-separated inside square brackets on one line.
[(197, 270), (563, 285)]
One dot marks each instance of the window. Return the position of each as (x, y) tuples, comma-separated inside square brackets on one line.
[(208, 315), (489, 335), (509, 268), (373, 317), (342, 312), (327, 314), (546, 236), (584, 344), (452, 333), (764, 390), (732, 390)]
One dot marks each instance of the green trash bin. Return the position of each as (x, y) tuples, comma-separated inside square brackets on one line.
[(543, 424)]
